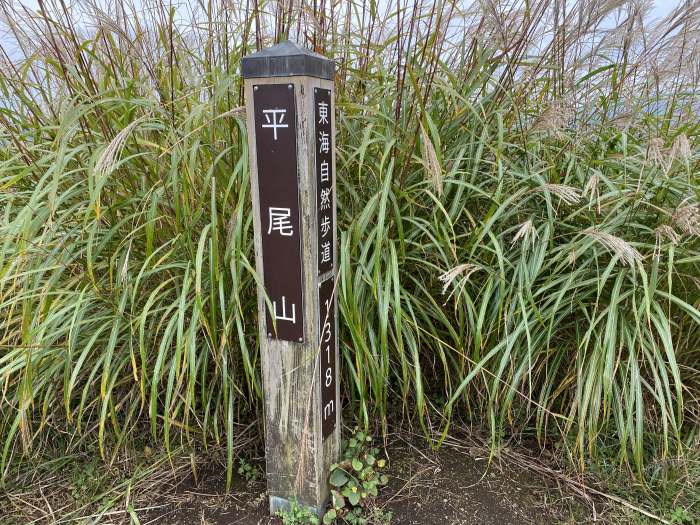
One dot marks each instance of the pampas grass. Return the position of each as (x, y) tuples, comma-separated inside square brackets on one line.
[(127, 289), (617, 246)]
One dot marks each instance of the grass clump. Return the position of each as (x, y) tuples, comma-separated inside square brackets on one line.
[(517, 201)]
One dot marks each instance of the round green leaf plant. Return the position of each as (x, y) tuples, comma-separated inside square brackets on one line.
[(355, 481)]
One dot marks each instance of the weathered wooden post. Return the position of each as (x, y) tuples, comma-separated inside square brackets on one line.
[(291, 138)]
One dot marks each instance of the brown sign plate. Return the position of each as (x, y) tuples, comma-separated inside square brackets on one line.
[(325, 200), (329, 403), (278, 185)]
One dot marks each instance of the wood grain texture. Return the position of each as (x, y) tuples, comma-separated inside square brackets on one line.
[(297, 458)]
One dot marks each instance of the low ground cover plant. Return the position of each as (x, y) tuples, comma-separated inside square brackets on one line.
[(355, 483)]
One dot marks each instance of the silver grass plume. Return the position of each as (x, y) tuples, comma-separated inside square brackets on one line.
[(664, 231), (555, 117), (655, 151), (527, 233), (503, 24), (465, 270), (681, 148), (431, 160), (591, 190), (568, 194), (108, 159), (617, 246), (687, 218)]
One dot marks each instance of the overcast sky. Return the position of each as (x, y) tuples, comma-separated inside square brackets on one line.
[(661, 7)]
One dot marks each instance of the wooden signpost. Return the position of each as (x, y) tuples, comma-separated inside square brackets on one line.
[(291, 139)]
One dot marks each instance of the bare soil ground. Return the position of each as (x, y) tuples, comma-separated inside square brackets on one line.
[(455, 485)]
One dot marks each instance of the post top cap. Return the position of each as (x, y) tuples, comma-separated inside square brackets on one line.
[(285, 60)]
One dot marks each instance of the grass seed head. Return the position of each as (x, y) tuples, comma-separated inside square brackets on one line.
[(591, 190), (681, 148), (655, 152), (527, 233), (568, 194), (687, 218), (431, 160), (619, 247), (554, 118), (465, 270), (109, 157), (664, 231)]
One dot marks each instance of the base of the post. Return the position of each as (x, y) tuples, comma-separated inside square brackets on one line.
[(284, 504)]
